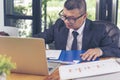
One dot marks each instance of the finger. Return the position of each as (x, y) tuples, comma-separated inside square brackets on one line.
[(89, 58), (94, 58), (86, 53), (92, 55), (86, 56)]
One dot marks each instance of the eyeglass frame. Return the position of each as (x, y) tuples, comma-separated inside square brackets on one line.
[(67, 18)]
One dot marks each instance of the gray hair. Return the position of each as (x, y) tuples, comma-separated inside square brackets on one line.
[(75, 4)]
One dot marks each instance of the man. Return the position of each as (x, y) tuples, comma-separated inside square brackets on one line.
[(91, 37)]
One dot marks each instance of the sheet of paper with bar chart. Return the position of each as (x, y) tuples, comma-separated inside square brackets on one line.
[(89, 69)]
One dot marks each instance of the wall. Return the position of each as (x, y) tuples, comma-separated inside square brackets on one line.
[(1, 14)]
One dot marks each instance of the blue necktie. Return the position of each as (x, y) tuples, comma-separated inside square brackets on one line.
[(74, 44)]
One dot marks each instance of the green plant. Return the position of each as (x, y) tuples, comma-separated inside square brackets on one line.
[(6, 65)]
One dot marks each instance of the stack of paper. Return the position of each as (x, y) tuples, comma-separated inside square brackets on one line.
[(97, 70), (53, 54)]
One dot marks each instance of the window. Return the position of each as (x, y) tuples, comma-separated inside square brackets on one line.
[(22, 7), (51, 14), (91, 9), (23, 14), (107, 10), (118, 18)]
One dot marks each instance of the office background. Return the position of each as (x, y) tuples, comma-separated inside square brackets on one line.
[(104, 10)]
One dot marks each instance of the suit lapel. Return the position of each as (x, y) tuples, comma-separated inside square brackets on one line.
[(86, 35), (64, 37)]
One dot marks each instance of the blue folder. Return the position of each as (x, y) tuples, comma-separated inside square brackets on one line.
[(71, 57)]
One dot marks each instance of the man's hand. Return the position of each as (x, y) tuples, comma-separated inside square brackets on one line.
[(91, 54)]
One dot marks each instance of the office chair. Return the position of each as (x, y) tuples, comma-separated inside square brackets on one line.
[(112, 30), (119, 40)]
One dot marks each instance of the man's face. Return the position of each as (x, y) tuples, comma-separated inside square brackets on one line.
[(72, 18)]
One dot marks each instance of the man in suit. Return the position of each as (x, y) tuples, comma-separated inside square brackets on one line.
[(90, 37)]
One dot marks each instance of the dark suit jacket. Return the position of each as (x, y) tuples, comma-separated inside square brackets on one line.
[(94, 36)]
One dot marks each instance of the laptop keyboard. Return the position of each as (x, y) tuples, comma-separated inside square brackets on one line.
[(50, 69), (52, 65)]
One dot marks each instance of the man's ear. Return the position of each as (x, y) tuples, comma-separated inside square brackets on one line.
[(85, 16)]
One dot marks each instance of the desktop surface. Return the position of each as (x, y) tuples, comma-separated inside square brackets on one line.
[(17, 76), (53, 76)]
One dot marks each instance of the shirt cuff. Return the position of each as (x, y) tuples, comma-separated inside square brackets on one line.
[(101, 52)]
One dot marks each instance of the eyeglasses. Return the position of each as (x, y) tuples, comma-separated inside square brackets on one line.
[(70, 19)]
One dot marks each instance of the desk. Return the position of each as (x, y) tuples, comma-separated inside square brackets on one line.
[(16, 76), (54, 76)]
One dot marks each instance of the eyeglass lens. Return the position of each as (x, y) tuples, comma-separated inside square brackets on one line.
[(71, 20)]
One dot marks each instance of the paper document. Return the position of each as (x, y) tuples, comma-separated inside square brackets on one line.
[(88, 69), (110, 76), (53, 54)]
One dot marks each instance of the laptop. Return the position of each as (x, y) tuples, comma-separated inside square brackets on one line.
[(28, 54)]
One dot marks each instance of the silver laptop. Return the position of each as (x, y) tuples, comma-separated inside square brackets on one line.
[(28, 54)]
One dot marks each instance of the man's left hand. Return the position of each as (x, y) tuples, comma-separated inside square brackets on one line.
[(91, 54)]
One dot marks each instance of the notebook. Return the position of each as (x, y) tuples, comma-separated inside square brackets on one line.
[(28, 54)]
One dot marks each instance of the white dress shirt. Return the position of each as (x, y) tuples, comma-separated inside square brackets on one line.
[(79, 38)]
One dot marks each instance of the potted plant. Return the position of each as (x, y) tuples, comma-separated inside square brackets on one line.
[(5, 66)]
